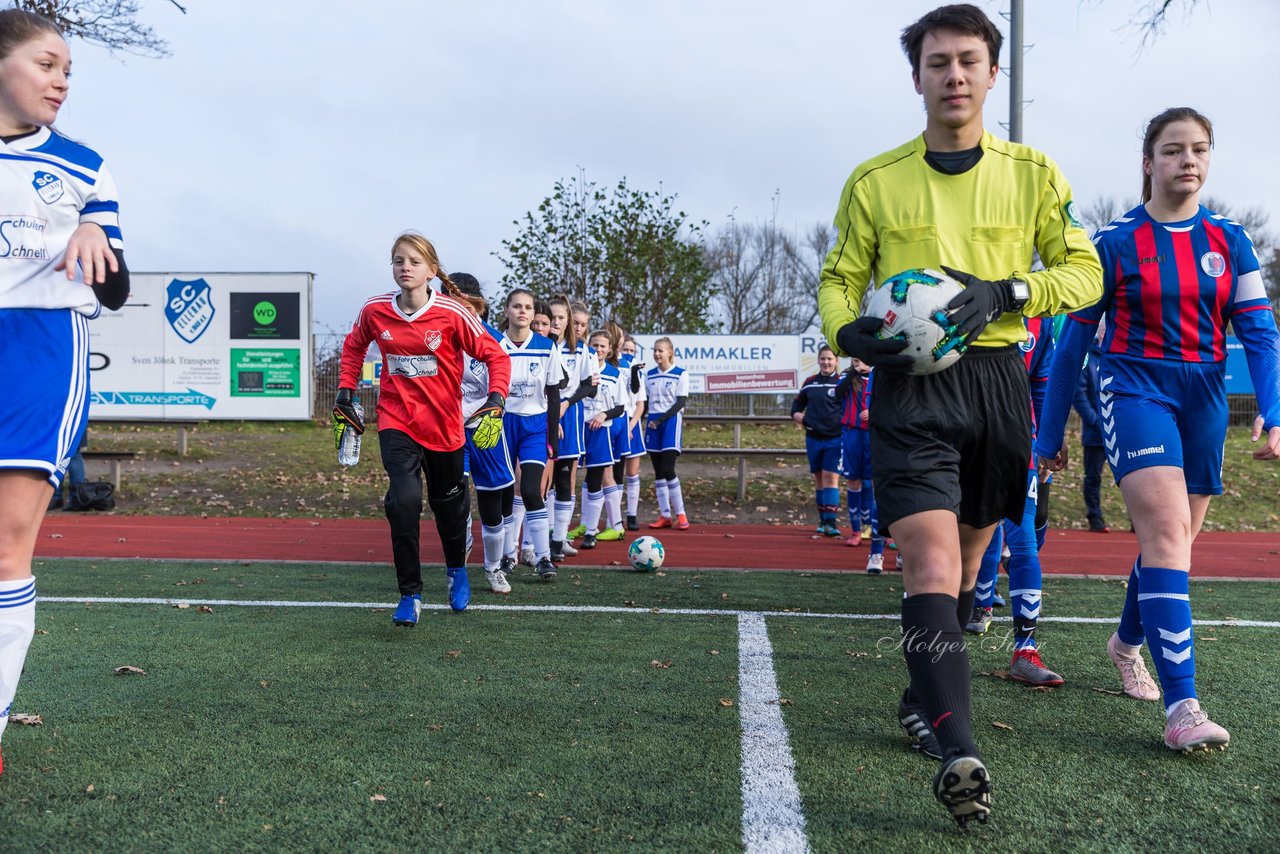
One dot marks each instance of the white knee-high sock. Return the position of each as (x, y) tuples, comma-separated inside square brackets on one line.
[(664, 505), (509, 536), (591, 511), (517, 517), (494, 539), (613, 506), (633, 494), (563, 516), (538, 532), (17, 627), (676, 496)]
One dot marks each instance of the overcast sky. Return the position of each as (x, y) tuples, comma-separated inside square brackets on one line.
[(284, 135)]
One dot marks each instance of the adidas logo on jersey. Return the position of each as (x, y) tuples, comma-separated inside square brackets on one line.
[(386, 335)]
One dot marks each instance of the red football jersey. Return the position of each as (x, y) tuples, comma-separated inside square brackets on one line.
[(422, 363)]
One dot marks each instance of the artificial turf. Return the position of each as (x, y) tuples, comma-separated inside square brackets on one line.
[(310, 728)]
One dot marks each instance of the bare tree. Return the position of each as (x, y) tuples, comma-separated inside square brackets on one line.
[(1103, 210), (766, 278), (112, 24)]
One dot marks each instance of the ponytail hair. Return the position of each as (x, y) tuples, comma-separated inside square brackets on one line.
[(1155, 126), (570, 338), (424, 247), (615, 332)]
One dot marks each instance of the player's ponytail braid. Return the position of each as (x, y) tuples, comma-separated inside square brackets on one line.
[(449, 287)]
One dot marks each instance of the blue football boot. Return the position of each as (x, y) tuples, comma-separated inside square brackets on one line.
[(406, 613), (459, 589)]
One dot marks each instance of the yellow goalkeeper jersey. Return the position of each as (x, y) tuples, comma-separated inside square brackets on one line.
[(898, 213)]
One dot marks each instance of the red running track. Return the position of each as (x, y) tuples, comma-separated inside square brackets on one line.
[(1216, 554)]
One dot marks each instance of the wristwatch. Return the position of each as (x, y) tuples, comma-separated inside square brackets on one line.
[(1021, 293)]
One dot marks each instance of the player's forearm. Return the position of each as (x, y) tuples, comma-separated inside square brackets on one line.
[(1257, 332), (354, 348), (1068, 359)]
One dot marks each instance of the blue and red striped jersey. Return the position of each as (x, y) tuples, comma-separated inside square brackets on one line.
[(1169, 288)]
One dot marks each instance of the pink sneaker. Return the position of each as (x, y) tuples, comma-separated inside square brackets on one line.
[(1133, 672), (1189, 728)]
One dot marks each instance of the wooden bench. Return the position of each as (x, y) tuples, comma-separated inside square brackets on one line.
[(182, 426), (742, 454), (114, 458)]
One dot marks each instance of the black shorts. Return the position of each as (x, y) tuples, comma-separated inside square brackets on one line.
[(957, 440)]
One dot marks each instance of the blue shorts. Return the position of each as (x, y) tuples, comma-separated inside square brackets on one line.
[(620, 438), (45, 353), (668, 436), (572, 425), (855, 445), (526, 438), (600, 447), (489, 469), (824, 454), (637, 448), (1164, 413)]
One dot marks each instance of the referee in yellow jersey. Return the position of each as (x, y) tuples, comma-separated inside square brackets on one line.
[(950, 450)]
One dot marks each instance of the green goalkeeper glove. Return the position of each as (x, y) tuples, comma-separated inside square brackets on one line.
[(487, 422)]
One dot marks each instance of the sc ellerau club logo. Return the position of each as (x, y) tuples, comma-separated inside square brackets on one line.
[(261, 316)]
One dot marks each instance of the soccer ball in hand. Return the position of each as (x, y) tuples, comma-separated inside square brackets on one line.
[(913, 305), (646, 554)]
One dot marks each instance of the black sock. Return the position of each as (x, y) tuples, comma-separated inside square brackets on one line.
[(938, 660), (964, 605)]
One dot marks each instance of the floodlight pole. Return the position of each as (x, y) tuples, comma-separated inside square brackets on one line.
[(1016, 56)]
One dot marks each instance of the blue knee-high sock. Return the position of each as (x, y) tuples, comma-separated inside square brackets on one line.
[(1166, 614), (990, 568), (1130, 629), (853, 497), (871, 516), (831, 503), (817, 502), (1024, 579)]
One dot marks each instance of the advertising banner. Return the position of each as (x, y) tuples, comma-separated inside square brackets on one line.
[(205, 346), (701, 355)]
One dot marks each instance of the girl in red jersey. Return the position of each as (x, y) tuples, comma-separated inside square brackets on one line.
[(423, 336), (1175, 274)]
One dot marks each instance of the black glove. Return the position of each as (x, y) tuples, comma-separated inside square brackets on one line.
[(979, 304), (487, 421), (859, 339), (344, 410)]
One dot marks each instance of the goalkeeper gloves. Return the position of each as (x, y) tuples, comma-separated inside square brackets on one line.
[(859, 339), (980, 303), (487, 421), (347, 413)]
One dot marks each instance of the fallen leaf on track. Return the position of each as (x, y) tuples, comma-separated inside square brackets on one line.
[(377, 797), (26, 720), (127, 669), (997, 674), (726, 702), (999, 725), (661, 665), (1109, 691), (204, 609)]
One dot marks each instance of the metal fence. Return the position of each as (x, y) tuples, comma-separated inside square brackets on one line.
[(328, 349)]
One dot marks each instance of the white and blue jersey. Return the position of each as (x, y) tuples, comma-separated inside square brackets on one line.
[(635, 437), (663, 388), (535, 364), (490, 468), (49, 185), (580, 366), (600, 449)]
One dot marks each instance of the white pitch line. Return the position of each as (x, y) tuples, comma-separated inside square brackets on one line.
[(772, 817), (582, 609)]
